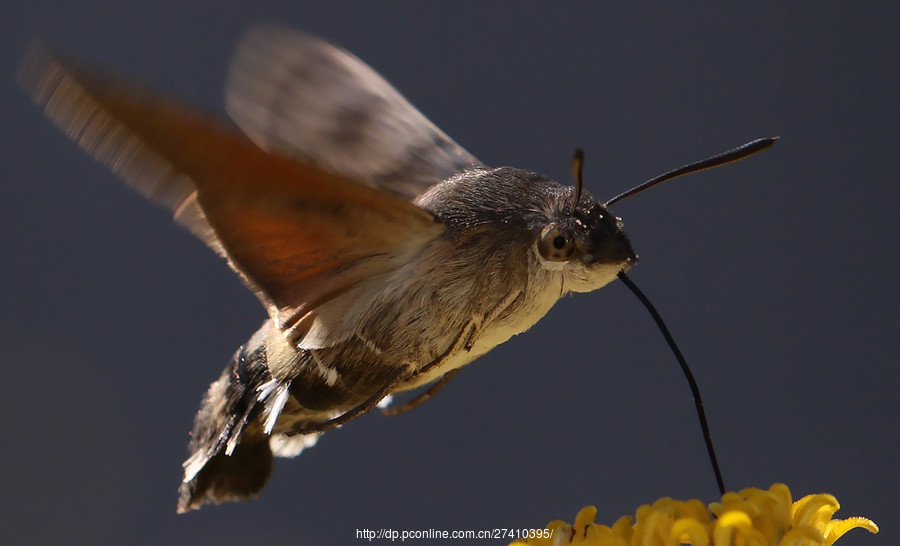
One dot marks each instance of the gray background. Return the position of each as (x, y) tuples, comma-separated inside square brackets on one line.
[(777, 275)]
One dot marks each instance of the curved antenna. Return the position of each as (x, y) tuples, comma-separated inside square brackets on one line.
[(577, 174), (695, 390), (723, 158)]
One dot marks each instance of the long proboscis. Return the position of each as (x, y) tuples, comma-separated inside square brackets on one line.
[(723, 158), (695, 390)]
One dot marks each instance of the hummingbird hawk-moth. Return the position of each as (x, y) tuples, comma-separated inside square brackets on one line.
[(386, 255)]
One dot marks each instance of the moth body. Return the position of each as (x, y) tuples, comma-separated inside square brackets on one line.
[(436, 306)]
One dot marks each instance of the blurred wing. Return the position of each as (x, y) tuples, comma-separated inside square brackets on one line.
[(297, 95), (297, 235)]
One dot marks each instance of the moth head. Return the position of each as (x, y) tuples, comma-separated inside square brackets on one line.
[(521, 215), (584, 240)]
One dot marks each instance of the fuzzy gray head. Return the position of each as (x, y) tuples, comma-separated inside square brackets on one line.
[(533, 214)]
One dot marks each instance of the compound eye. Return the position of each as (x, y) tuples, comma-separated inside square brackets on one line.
[(555, 245)]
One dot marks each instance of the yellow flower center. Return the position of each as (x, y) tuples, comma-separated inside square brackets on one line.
[(752, 517)]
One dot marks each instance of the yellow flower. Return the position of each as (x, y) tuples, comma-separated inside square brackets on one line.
[(753, 517)]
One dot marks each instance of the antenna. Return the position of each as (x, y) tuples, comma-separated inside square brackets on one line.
[(723, 158), (577, 174), (730, 156)]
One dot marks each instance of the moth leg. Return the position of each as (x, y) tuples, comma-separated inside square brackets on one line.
[(462, 341), (403, 374), (366, 406), (418, 400), (498, 310), (465, 340)]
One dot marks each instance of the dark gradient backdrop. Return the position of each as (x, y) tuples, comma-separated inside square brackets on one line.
[(778, 275)]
